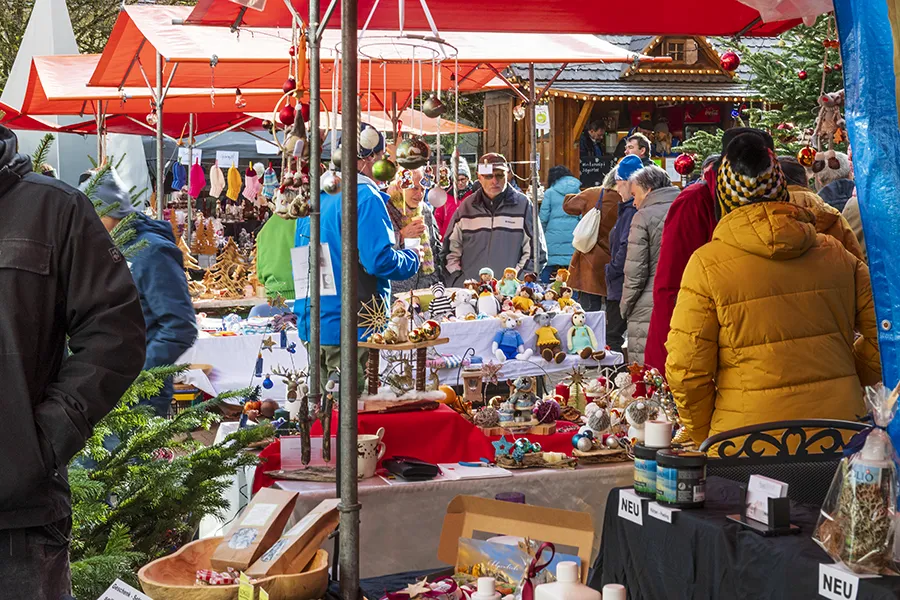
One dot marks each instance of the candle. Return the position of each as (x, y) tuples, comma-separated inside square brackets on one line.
[(658, 434), (563, 390), (613, 591)]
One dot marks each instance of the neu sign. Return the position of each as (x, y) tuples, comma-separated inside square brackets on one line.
[(630, 507), (837, 584)]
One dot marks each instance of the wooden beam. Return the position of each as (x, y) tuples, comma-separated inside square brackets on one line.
[(582, 119)]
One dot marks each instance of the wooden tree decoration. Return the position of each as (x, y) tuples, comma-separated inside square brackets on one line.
[(173, 221), (251, 276), (227, 278), (195, 288)]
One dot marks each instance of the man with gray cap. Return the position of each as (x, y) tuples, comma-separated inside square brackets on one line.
[(158, 271), (493, 228)]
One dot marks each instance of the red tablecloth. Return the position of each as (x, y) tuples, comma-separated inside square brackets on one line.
[(435, 436)]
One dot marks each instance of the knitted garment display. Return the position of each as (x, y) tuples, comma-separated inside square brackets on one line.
[(260, 170), (252, 186), (269, 183), (216, 181), (198, 180), (179, 177), (234, 183)]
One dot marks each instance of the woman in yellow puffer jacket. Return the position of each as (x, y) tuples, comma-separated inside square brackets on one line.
[(765, 321)]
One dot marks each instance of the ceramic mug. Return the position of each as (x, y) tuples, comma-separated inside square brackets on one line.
[(369, 450)]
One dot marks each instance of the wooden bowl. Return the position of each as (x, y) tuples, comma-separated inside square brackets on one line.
[(172, 577)]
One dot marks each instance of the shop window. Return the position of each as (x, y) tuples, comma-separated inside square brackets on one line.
[(675, 49)]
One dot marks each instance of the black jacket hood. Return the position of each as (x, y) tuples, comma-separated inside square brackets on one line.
[(20, 164)]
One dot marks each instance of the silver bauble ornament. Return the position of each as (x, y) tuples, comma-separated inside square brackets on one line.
[(612, 442), (331, 182), (369, 138), (433, 107), (585, 444)]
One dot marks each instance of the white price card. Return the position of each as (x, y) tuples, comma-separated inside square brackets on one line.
[(837, 584), (228, 158), (658, 511), (183, 156), (630, 507), (300, 265), (542, 118), (258, 515), (119, 590)]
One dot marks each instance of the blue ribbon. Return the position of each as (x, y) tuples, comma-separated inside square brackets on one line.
[(858, 440)]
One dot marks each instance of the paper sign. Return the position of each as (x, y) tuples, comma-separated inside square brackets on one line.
[(119, 590), (300, 265), (266, 148), (485, 169), (263, 594), (837, 584), (258, 515), (759, 490), (658, 511), (245, 588), (630, 507), (183, 155), (227, 158), (542, 118), (670, 170)]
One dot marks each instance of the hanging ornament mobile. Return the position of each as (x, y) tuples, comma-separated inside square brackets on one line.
[(151, 117), (806, 156), (406, 179), (444, 177), (428, 178), (433, 107), (685, 164), (519, 112), (730, 61), (413, 153), (384, 169), (289, 85)]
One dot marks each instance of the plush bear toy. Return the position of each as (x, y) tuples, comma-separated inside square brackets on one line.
[(508, 343)]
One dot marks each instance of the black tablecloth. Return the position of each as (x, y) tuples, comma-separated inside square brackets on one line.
[(702, 555)]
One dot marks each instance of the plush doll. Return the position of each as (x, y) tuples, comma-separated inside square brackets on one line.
[(524, 301), (509, 285), (473, 285), (565, 301), (508, 305), (508, 343), (531, 283), (440, 306), (828, 122), (398, 328), (548, 342), (549, 303), (582, 340), (464, 305), (487, 278), (488, 305), (559, 280), (523, 399)]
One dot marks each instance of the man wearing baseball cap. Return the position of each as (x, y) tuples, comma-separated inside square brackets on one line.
[(492, 228)]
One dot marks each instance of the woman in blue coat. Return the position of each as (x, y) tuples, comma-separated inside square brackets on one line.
[(557, 225)]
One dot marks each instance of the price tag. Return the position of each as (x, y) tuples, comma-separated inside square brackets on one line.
[(542, 118), (183, 156), (227, 158), (119, 590), (658, 511), (837, 584), (630, 507), (263, 594), (245, 588)]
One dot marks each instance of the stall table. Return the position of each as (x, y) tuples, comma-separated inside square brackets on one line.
[(400, 524), (702, 555)]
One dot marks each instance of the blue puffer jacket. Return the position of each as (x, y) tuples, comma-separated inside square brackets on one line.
[(558, 226)]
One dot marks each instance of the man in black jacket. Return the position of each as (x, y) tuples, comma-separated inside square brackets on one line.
[(60, 275)]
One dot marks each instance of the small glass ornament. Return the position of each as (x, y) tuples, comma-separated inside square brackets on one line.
[(268, 383)]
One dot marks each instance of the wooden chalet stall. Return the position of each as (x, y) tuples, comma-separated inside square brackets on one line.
[(691, 93)]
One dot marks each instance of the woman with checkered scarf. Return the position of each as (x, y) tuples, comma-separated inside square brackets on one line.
[(765, 324)]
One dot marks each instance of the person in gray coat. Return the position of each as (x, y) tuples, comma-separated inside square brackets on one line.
[(653, 196)]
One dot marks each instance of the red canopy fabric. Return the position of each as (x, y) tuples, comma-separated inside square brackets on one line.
[(649, 17), (174, 125), (14, 119), (258, 58)]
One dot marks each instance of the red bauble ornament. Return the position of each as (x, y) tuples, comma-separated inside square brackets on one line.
[(803, 75), (730, 61), (806, 156), (304, 110), (685, 164), (292, 50), (286, 115), (827, 69), (289, 85), (838, 67)]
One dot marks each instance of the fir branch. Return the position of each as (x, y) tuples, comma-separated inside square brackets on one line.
[(42, 152)]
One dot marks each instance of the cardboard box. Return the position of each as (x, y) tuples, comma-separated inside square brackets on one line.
[(299, 543), (480, 518), (260, 525)]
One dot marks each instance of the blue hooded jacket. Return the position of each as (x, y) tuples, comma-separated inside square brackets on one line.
[(158, 271), (558, 226), (379, 261), (618, 248)]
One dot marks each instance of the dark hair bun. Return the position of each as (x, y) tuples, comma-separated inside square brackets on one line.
[(748, 155)]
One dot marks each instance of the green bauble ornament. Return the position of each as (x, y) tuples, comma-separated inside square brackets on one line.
[(384, 170)]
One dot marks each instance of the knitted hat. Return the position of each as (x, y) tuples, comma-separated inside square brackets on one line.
[(252, 186), (260, 170), (198, 180), (269, 182), (749, 173), (179, 177), (216, 181), (627, 167), (234, 183), (109, 191), (464, 168), (437, 287), (486, 271)]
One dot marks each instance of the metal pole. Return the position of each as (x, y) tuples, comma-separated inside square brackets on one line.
[(160, 142), (315, 151), (349, 506), (190, 201), (395, 117), (535, 221)]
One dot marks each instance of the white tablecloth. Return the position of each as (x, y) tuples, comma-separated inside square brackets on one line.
[(400, 525), (234, 357)]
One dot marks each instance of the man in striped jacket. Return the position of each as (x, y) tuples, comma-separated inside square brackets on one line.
[(493, 227)]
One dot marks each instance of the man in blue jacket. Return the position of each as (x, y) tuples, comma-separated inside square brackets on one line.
[(379, 262), (158, 271), (618, 246)]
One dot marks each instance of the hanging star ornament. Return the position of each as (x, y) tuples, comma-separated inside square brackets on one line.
[(277, 301), (417, 589), (491, 372), (577, 376), (268, 343), (373, 316), (502, 447)]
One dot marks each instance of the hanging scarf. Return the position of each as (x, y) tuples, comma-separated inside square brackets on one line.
[(735, 190), (406, 217)]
